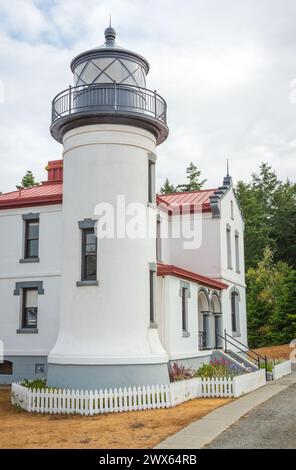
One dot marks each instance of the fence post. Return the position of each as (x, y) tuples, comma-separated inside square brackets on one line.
[(234, 387), (266, 372)]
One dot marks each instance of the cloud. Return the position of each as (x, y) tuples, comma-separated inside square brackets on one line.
[(225, 69)]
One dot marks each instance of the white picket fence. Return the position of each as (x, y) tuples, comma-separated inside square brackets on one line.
[(132, 398), (217, 387), (91, 402)]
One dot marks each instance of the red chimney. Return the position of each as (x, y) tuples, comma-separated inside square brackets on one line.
[(55, 171)]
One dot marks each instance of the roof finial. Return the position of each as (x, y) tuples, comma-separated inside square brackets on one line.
[(110, 34), (227, 180)]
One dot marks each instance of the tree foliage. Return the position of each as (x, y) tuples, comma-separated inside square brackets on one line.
[(167, 187), (28, 181), (193, 177), (193, 184), (269, 209)]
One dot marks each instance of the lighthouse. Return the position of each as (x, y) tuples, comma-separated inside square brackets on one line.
[(109, 124)]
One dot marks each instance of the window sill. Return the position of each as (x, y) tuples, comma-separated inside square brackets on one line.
[(153, 325), (185, 334), (236, 335), (86, 283), (30, 260), (151, 204), (27, 330)]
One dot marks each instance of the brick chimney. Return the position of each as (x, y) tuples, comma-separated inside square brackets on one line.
[(55, 171)]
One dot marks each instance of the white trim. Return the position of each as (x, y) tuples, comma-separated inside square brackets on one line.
[(25, 352), (112, 360), (29, 275)]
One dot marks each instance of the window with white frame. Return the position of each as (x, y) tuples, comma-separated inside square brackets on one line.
[(235, 313), (151, 177), (231, 210), (228, 243), (185, 295), (237, 260), (29, 308), (152, 293), (158, 240)]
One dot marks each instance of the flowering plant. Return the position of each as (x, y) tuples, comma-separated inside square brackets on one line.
[(180, 372)]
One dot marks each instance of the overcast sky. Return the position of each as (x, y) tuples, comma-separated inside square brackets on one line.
[(227, 69)]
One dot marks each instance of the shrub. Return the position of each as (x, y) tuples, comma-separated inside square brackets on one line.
[(38, 384), (180, 372), (217, 368)]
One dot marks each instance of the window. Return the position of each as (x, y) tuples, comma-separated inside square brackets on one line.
[(39, 368), (158, 240), (6, 368), (231, 210), (30, 308), (89, 255), (185, 294), (236, 238), (234, 312), (151, 181), (184, 309), (228, 241), (32, 238), (152, 288)]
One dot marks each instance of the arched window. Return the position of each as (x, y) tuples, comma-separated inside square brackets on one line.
[(204, 333), (6, 368), (217, 313), (235, 312)]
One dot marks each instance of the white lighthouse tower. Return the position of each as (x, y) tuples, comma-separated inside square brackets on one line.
[(109, 124)]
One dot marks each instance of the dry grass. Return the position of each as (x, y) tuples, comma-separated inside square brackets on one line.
[(276, 352), (131, 430)]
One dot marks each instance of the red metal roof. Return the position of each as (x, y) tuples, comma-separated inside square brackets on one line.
[(189, 201), (171, 270), (44, 194), (51, 192)]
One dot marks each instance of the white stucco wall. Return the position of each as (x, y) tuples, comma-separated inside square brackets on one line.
[(210, 257), (48, 270), (108, 323)]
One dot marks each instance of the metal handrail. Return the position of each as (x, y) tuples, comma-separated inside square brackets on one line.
[(241, 350), (108, 97), (242, 344), (264, 358)]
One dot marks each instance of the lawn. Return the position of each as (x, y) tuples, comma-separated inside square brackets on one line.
[(276, 352), (131, 430)]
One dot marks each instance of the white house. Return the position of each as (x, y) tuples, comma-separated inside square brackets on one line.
[(91, 312)]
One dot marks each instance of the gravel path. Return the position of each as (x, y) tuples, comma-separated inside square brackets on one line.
[(271, 425)]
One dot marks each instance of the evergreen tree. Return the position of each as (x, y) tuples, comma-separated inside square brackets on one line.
[(28, 181), (283, 223), (167, 187), (267, 285), (193, 175)]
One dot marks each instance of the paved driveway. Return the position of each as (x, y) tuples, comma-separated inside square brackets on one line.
[(271, 425)]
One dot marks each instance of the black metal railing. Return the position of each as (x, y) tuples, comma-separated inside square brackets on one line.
[(109, 97), (202, 340), (256, 357)]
